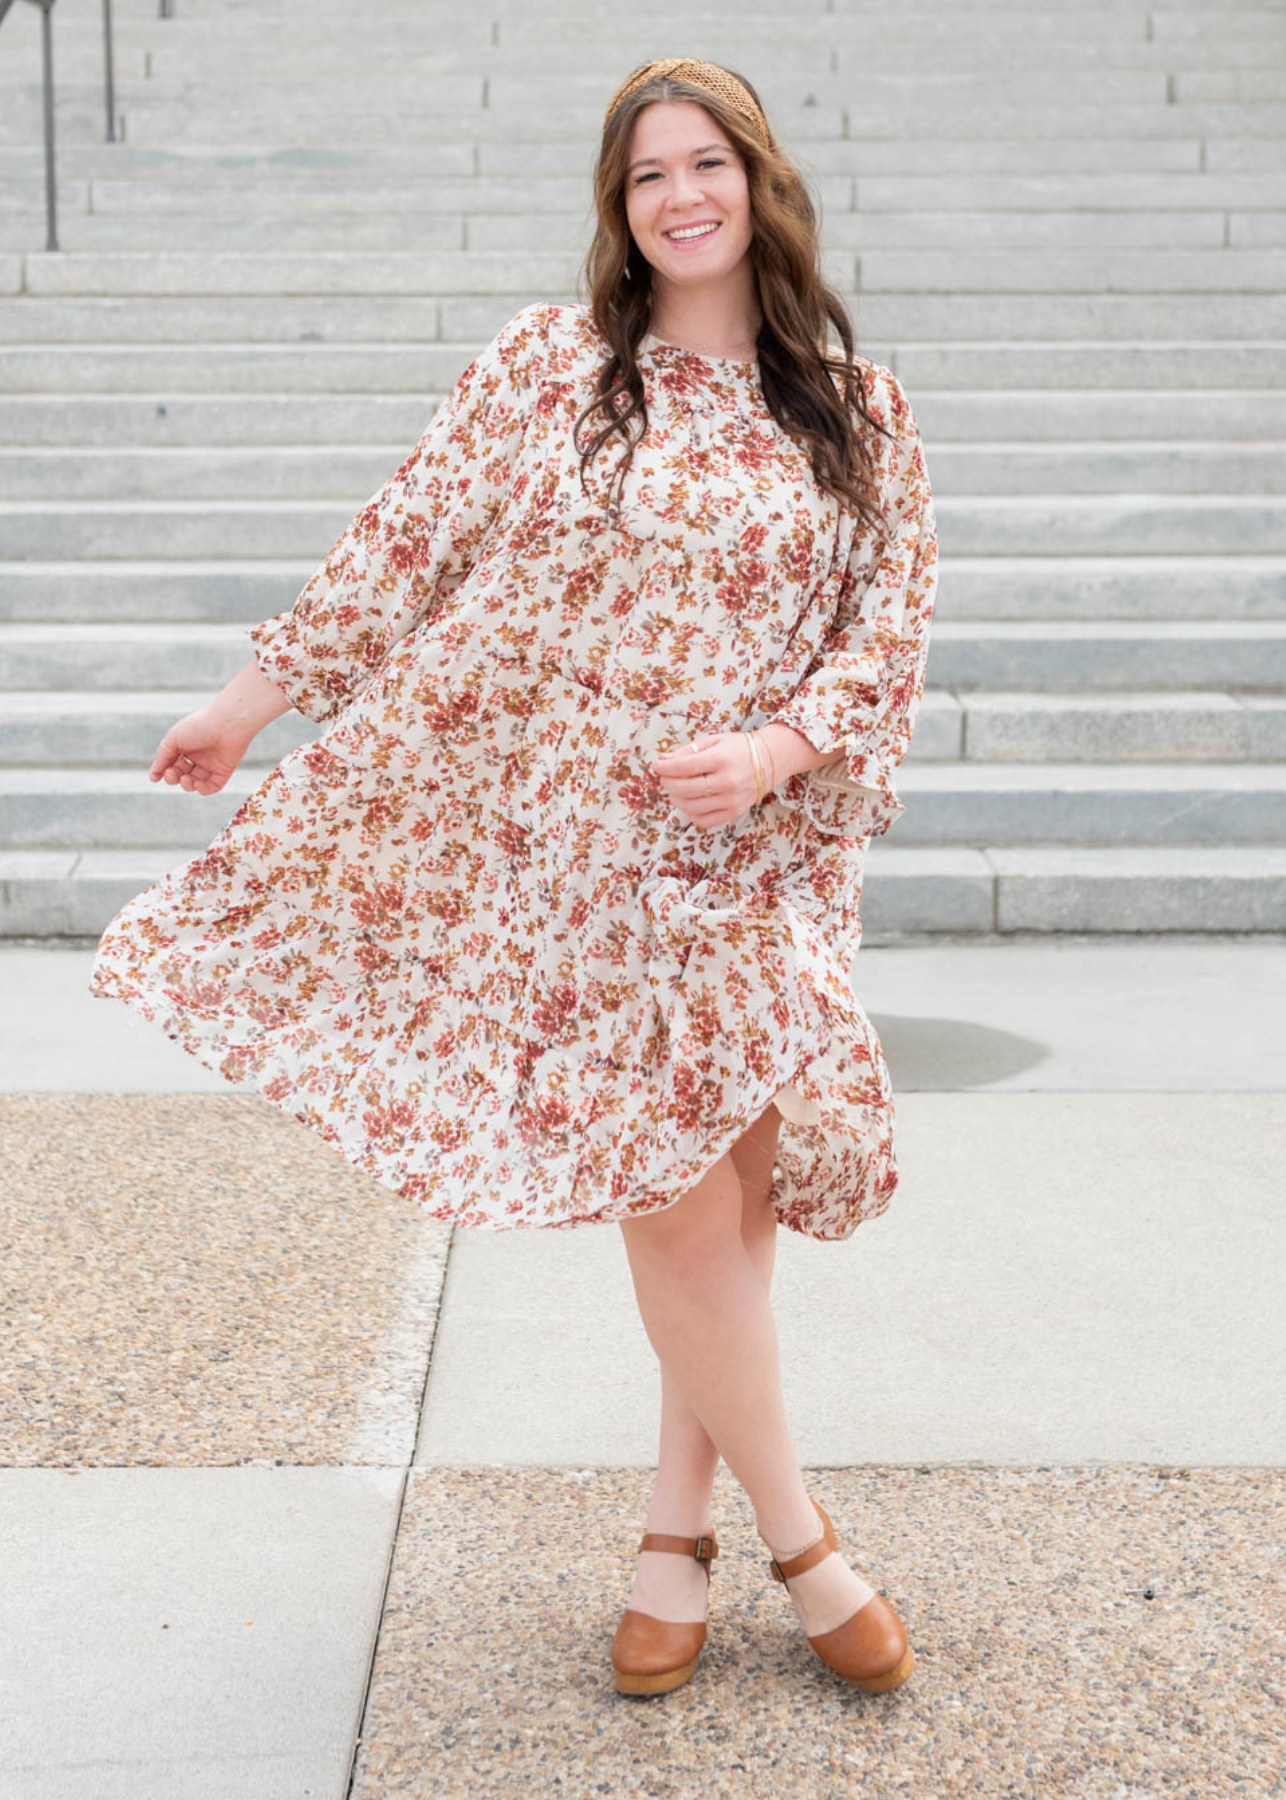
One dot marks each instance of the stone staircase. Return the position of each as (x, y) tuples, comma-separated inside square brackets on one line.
[(1065, 230)]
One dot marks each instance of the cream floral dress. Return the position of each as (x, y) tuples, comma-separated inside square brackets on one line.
[(462, 934)]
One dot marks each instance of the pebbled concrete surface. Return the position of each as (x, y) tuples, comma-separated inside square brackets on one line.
[(195, 1279), (1038, 1671), (244, 1386)]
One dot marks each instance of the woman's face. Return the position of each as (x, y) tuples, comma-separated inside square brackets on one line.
[(683, 171)]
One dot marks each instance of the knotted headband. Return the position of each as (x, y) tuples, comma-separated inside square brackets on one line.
[(706, 75)]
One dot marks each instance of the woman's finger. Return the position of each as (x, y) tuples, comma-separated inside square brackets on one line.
[(174, 765), (685, 752)]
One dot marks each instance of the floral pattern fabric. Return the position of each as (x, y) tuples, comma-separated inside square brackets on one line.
[(462, 934)]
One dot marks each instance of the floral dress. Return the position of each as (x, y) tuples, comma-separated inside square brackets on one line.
[(462, 933)]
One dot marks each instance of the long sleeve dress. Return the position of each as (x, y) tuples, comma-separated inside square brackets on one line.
[(462, 933)]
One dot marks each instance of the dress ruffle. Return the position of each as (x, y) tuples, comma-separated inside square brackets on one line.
[(806, 1044), (463, 935)]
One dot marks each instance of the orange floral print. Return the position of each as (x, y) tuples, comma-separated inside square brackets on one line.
[(462, 934)]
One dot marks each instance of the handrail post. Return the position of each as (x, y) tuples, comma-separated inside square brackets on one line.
[(47, 96), (47, 101), (107, 66)]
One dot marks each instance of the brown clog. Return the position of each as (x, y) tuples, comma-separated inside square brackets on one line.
[(870, 1649), (650, 1655)]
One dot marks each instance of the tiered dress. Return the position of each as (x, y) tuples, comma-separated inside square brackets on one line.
[(463, 934)]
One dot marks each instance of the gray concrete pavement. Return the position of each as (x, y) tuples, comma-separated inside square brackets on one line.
[(1067, 1317), (1162, 1014), (165, 1601), (1078, 1264), (1060, 1278)]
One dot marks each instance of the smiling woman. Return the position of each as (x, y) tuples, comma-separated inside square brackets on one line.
[(688, 203), (706, 257), (552, 922)]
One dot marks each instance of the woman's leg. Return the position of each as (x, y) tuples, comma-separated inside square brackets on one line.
[(709, 1318), (667, 1586)]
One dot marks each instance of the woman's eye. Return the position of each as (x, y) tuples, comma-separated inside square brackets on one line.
[(707, 162)]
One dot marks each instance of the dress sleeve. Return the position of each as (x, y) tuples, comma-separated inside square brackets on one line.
[(423, 530), (860, 695)]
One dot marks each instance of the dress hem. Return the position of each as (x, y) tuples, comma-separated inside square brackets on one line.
[(106, 983)]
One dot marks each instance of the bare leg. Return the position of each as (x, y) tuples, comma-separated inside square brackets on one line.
[(709, 1318), (669, 1587)]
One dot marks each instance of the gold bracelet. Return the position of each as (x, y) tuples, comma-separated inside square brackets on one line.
[(762, 765), (756, 766), (772, 766)]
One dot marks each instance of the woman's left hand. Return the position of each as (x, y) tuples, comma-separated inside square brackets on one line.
[(711, 780)]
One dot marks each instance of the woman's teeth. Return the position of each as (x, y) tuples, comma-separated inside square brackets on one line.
[(684, 236)]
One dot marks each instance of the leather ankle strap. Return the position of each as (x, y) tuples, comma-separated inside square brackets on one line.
[(797, 1564), (705, 1549), (807, 1559)]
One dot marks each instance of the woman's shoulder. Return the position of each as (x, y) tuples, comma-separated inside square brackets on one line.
[(558, 335), (883, 394)]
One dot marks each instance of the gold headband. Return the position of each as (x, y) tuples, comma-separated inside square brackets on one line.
[(706, 75)]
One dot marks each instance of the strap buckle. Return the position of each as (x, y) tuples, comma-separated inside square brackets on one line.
[(704, 1551)]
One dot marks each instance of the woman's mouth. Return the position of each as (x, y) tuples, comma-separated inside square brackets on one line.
[(693, 235)]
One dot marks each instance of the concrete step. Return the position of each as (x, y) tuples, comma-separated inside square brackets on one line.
[(1053, 656), (382, 232), (1065, 68), (820, 47), (604, 42), (398, 228), (1163, 391), (1143, 726), (302, 471), (1101, 342), (906, 891), (1214, 467), (437, 272), (1077, 275), (1245, 152), (956, 424), (1104, 803), (272, 472), (971, 525), (160, 101), (65, 728), (235, 194), (948, 804), (76, 421), (1169, 211), (511, 116), (1074, 72), (1026, 589), (1108, 655)]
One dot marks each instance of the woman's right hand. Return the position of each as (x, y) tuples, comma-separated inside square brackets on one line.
[(199, 752)]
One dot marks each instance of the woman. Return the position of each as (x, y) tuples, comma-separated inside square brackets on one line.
[(550, 922)]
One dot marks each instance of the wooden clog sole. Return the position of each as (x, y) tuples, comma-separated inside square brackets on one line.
[(891, 1678), (656, 1684)]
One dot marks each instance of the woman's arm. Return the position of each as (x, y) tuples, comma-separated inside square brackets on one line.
[(201, 750), (421, 532), (857, 705), (249, 701), (792, 753)]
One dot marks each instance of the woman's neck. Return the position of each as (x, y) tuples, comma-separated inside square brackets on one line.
[(708, 333)]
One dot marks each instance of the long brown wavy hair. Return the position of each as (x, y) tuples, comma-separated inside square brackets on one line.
[(817, 397)]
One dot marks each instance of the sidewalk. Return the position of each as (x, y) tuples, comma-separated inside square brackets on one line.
[(289, 1464)]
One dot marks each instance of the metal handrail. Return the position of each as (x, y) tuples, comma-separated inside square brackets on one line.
[(47, 99)]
